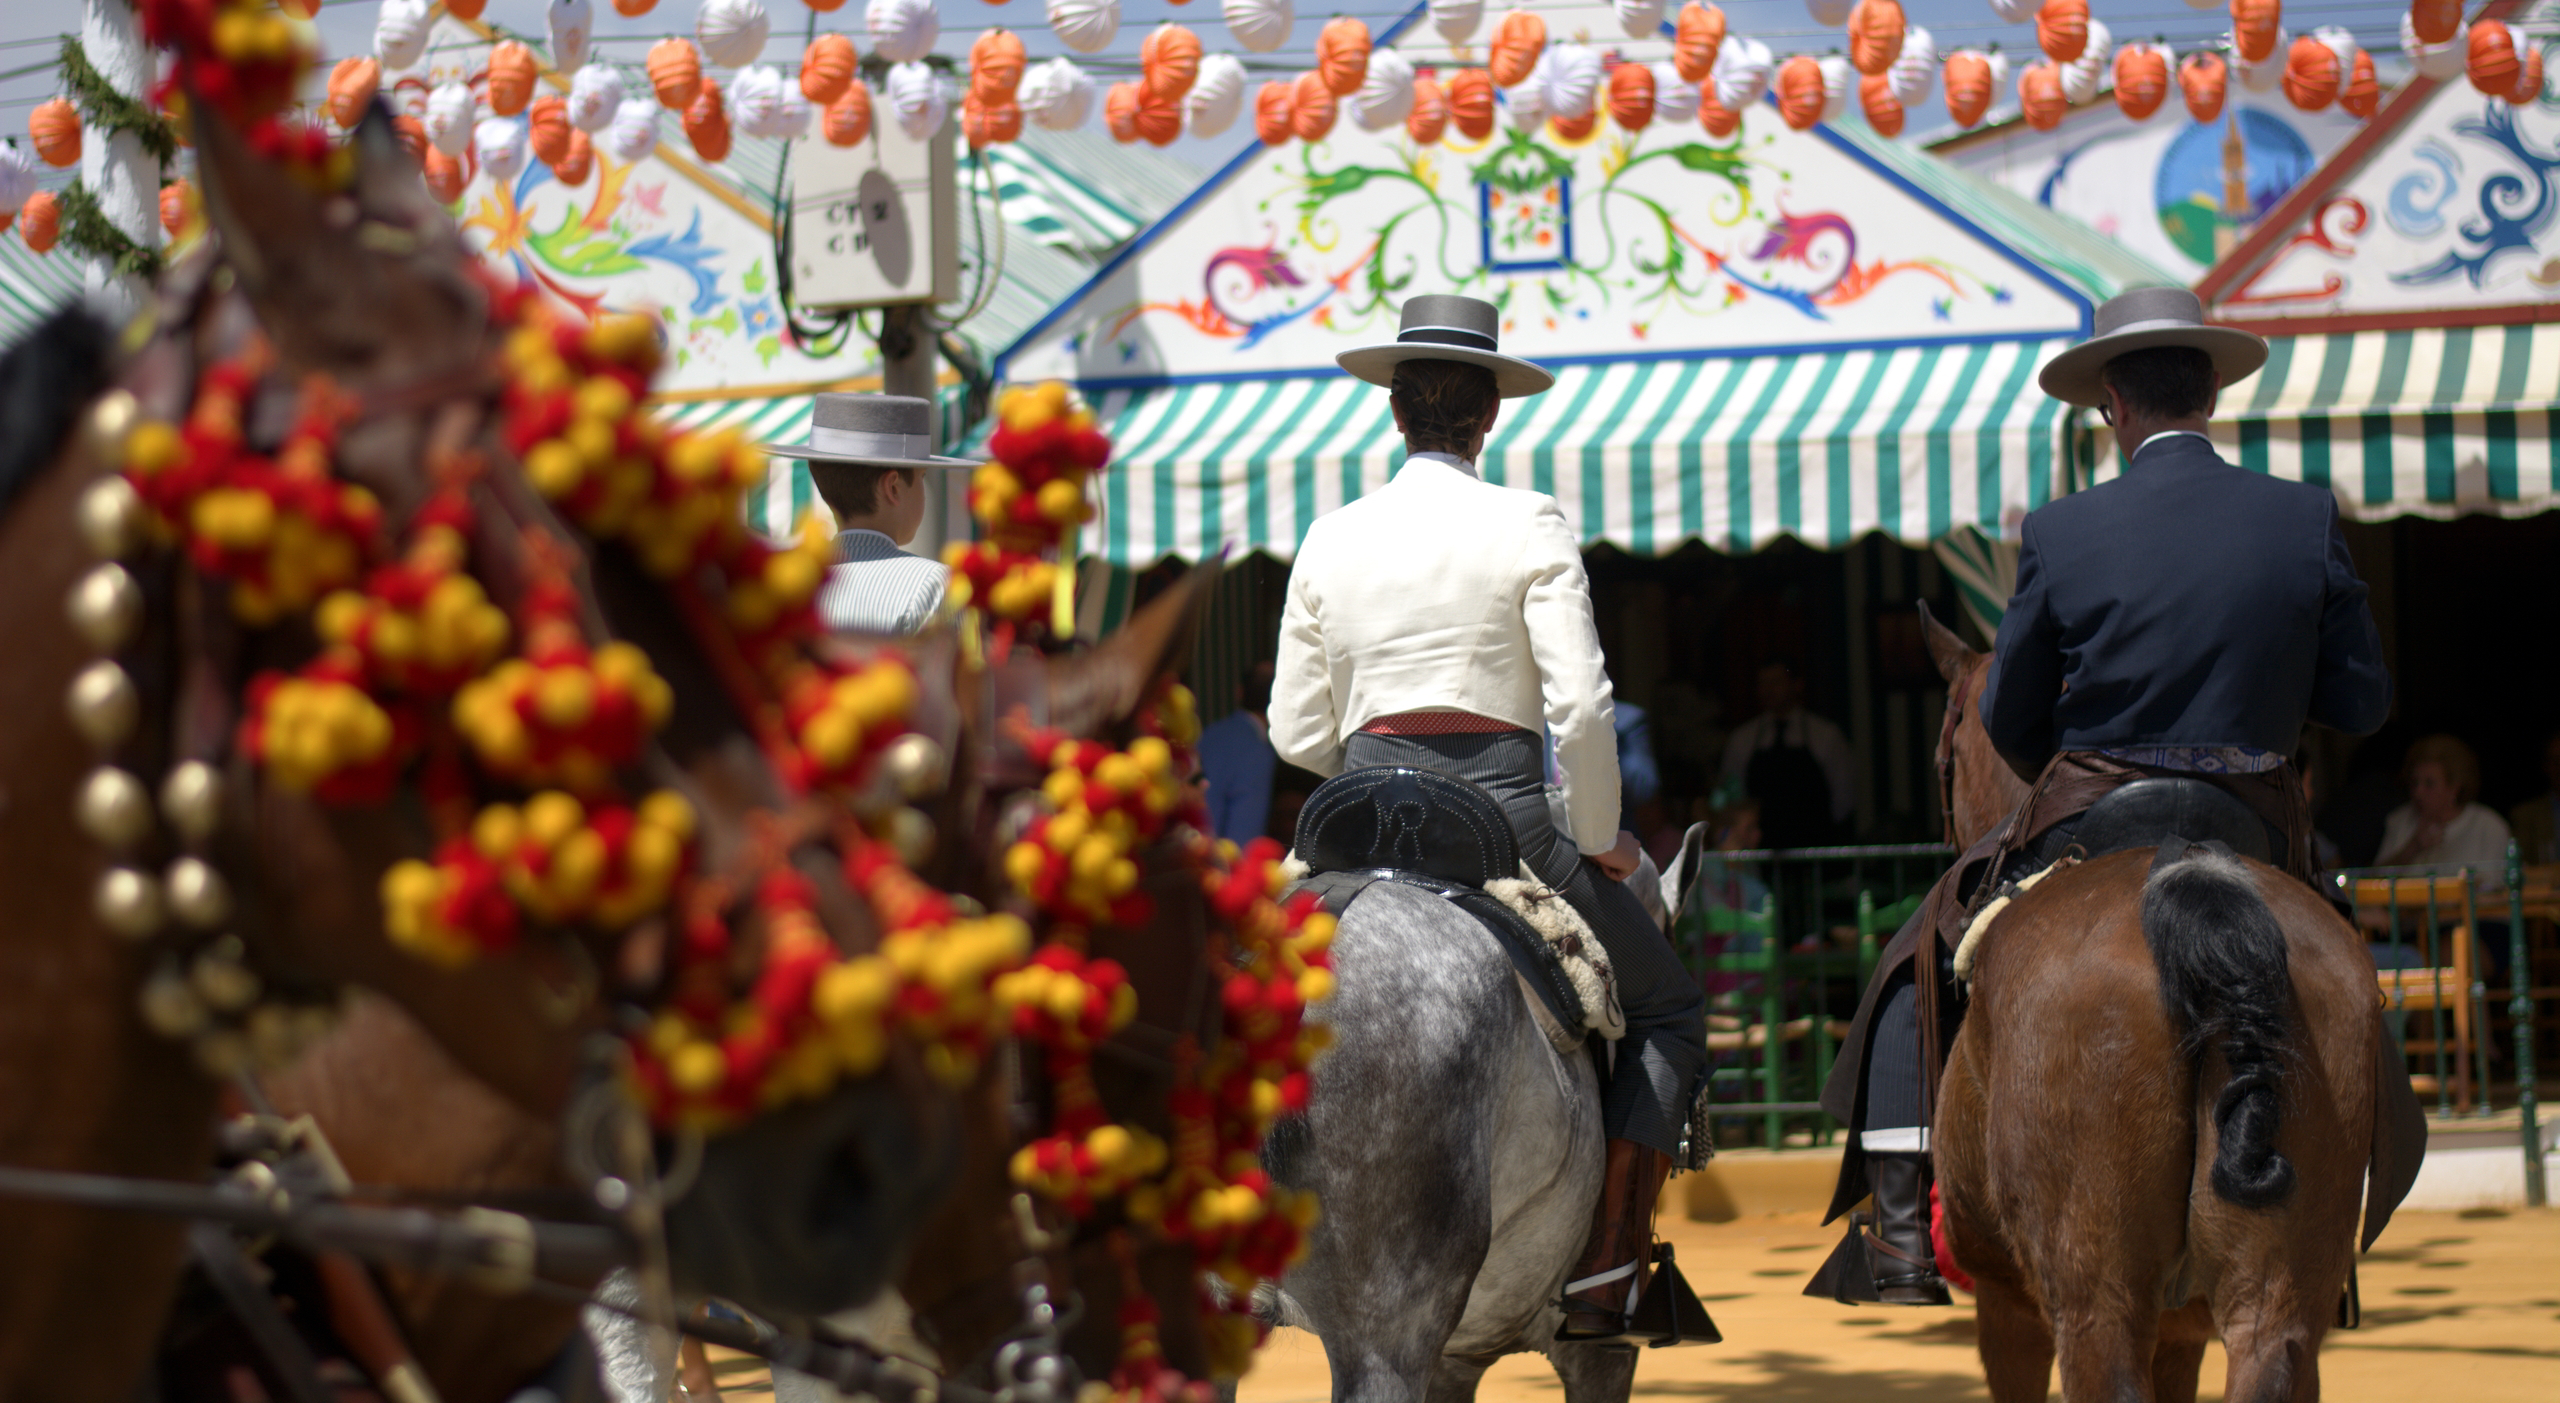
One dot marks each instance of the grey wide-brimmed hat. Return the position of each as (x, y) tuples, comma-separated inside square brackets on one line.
[(2138, 320), (875, 431), (1440, 326)]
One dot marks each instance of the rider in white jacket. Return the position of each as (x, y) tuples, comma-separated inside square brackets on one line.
[(1442, 623)]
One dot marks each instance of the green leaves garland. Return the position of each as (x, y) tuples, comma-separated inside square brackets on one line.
[(109, 110), (86, 228)]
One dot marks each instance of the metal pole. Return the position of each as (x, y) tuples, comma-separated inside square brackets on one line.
[(2520, 1011), (908, 367), (124, 177)]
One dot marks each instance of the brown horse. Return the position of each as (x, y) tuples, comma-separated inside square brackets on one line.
[(371, 287), (2154, 1126)]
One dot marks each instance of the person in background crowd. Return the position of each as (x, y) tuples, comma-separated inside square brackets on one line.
[(867, 454), (1798, 765), (2537, 820), (1728, 886), (1236, 756), (2440, 826)]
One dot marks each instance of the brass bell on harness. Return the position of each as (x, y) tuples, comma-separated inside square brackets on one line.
[(113, 808), (197, 894), (103, 705), (110, 514), (106, 607), (191, 799), (128, 903)]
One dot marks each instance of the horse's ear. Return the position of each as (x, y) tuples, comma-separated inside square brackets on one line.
[(1954, 657), (1099, 690)]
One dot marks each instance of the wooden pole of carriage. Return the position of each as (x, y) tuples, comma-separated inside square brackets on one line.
[(124, 177)]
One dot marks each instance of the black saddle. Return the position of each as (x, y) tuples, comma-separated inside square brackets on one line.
[(2143, 813), (1436, 832)]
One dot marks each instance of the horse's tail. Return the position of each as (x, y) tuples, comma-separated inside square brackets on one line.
[(2225, 980)]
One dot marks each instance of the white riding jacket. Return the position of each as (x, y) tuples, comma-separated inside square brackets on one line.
[(1442, 592)]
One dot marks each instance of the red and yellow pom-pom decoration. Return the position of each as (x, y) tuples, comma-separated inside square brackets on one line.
[(552, 860), (247, 60), (1029, 499), (422, 624), (840, 719), (560, 712), (318, 731)]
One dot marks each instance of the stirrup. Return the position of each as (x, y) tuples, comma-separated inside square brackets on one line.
[(1670, 1314)]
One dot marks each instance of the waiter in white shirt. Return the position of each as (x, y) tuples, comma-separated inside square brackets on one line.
[(868, 455), (1440, 623)]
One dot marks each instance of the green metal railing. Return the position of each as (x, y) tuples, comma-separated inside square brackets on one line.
[(1785, 941)]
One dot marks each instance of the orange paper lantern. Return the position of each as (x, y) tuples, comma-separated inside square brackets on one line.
[(445, 176), (55, 125), (2142, 80), (573, 168), (2253, 28), (2363, 92), (1120, 112), (1875, 34), (547, 130), (848, 118), (988, 124), (1312, 107), (2205, 80), (40, 221), (299, 9), (511, 75), (2528, 86), (412, 135), (675, 73), (996, 62), (1517, 42), (633, 9), (1429, 119), (352, 85), (1719, 121), (827, 65), (1574, 130), (1968, 87), (1273, 113), (2062, 29), (1696, 38), (1169, 62), (2310, 74), (1883, 109), (465, 9), (1800, 94), (2492, 64), (2040, 98), (1159, 118), (175, 197), (1471, 103), (1342, 54), (824, 7), (1631, 96), (2435, 21), (706, 123)]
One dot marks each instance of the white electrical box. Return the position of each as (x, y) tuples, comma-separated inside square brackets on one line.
[(876, 223)]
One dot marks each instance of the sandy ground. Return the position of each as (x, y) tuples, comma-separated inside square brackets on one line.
[(2469, 1301)]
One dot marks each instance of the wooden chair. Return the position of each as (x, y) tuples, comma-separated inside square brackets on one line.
[(2446, 986)]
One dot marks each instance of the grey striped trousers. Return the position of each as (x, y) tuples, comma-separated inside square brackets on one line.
[(1665, 1049)]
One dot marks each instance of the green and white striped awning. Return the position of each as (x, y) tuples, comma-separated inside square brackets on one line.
[(33, 284), (1047, 201), (2440, 422), (1825, 446)]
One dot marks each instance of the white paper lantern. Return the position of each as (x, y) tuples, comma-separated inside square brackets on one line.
[(2437, 61), (732, 32), (571, 22), (919, 98), (1830, 14), (2342, 43), (2263, 77), (1573, 78), (448, 118), (1263, 25), (2016, 11), (1639, 19), (1057, 96), (634, 132), (1086, 26), (1456, 19), (902, 31), (1675, 99), (1741, 72), (1386, 95), (755, 100), (1839, 80), (594, 96), (1916, 71), (1526, 104), (1216, 98), (2082, 76), (17, 177), (501, 143), (1999, 70), (400, 34)]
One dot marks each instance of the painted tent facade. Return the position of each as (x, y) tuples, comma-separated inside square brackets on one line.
[(1817, 334), (2410, 290)]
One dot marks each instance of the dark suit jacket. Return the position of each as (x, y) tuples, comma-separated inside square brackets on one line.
[(2187, 602)]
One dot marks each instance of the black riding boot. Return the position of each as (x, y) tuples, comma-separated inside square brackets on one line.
[(1901, 1258)]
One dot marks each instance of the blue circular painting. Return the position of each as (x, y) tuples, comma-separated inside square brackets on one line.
[(2195, 169)]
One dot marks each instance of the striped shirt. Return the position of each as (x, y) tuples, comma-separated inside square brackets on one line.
[(874, 587)]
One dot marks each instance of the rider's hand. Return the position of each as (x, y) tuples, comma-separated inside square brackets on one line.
[(1619, 862)]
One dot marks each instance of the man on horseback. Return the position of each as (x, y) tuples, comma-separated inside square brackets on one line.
[(2186, 619), (1440, 624)]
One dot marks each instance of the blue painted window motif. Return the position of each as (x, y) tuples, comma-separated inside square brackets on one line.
[(1524, 207)]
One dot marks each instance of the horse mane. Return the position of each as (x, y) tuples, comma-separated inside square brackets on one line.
[(46, 380)]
